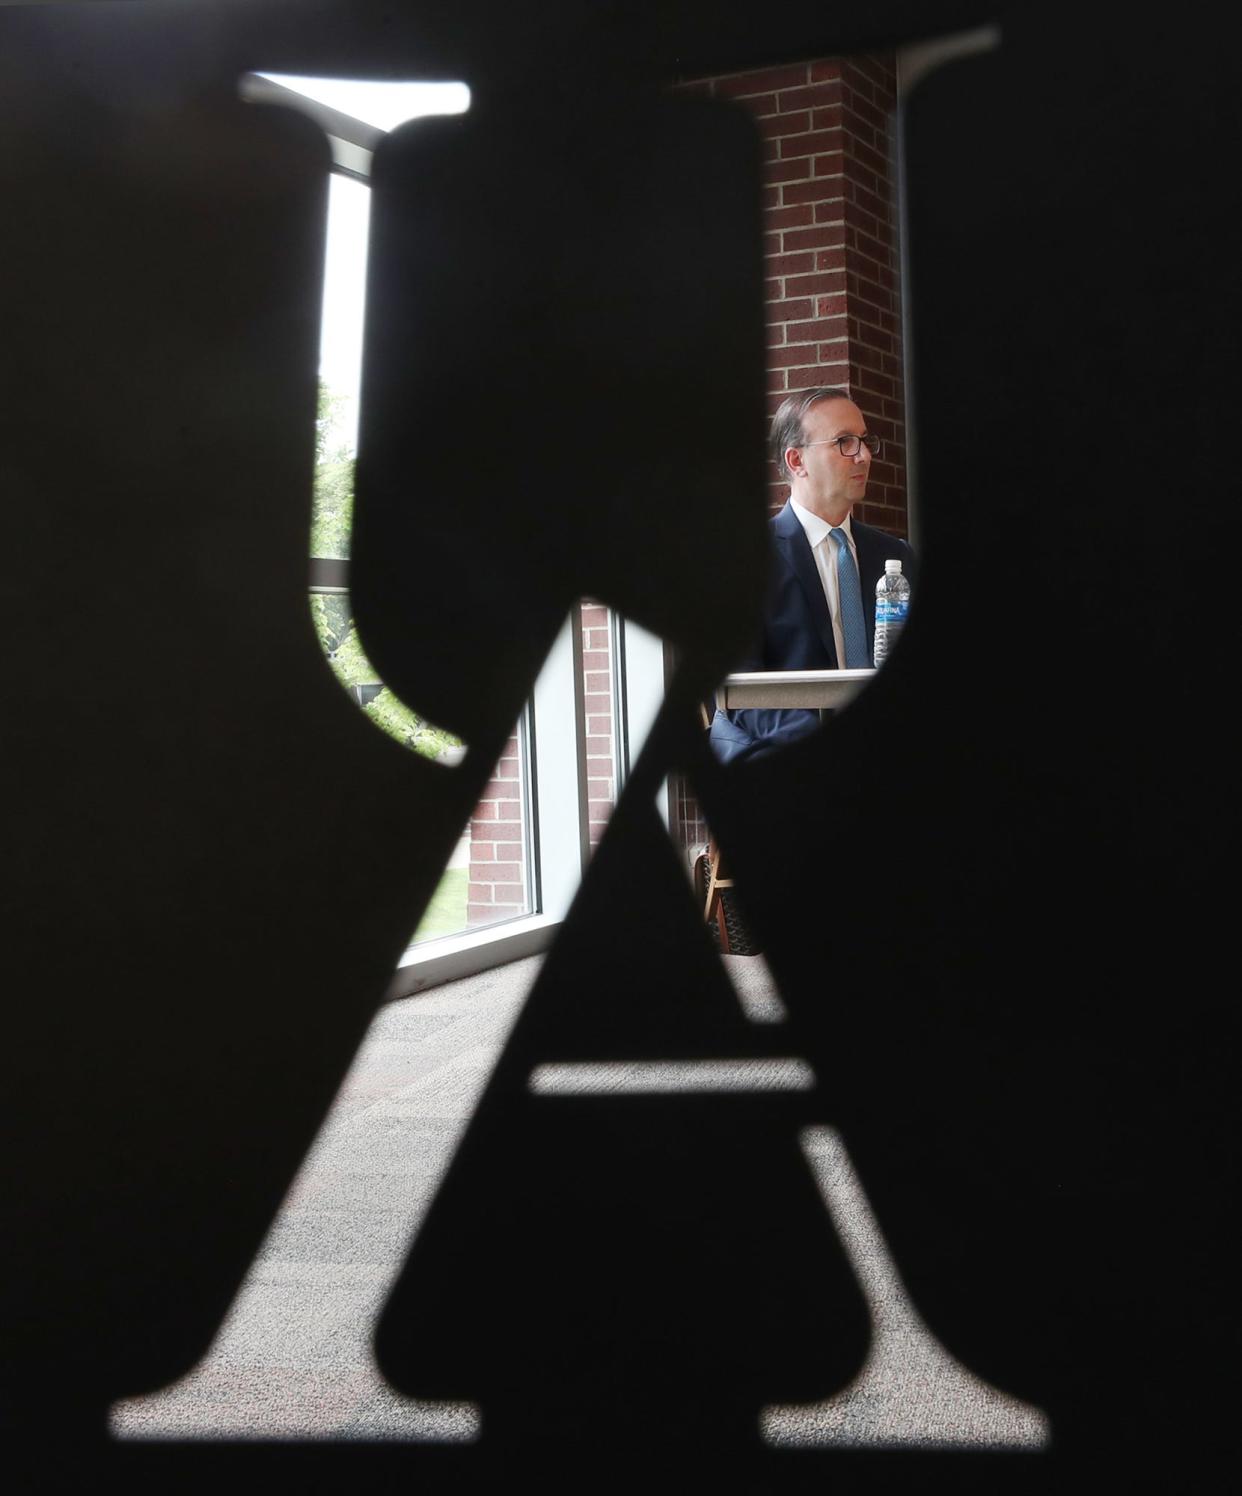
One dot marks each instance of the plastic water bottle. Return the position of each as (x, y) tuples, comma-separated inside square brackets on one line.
[(892, 601)]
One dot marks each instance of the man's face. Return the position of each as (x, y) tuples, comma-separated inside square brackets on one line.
[(825, 482)]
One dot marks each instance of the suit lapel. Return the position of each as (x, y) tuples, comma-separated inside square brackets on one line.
[(792, 542)]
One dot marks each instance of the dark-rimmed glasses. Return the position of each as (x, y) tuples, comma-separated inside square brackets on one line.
[(849, 445)]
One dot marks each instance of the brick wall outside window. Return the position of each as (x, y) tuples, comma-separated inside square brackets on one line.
[(497, 877), (832, 287), (498, 887), (597, 669)]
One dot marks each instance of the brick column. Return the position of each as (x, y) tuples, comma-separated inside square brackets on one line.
[(497, 882), (597, 678), (497, 879), (833, 296)]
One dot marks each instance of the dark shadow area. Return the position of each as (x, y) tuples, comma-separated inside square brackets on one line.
[(1020, 1027)]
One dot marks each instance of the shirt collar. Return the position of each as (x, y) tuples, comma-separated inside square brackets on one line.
[(816, 528)]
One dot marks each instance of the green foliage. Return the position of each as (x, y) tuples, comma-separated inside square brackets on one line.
[(332, 506), (398, 721), (328, 409), (351, 664), (332, 515), (332, 619)]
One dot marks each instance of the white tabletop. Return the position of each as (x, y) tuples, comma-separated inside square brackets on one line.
[(791, 688)]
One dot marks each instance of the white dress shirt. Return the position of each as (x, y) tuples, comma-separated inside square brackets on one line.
[(824, 549)]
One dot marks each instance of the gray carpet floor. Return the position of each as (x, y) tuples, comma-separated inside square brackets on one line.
[(293, 1359)]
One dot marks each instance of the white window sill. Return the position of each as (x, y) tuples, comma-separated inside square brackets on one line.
[(453, 956)]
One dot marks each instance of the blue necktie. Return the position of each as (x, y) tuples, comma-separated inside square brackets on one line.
[(853, 624)]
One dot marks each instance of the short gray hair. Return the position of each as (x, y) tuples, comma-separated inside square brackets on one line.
[(787, 428)]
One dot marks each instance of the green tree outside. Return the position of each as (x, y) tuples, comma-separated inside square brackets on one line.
[(331, 518), (332, 514)]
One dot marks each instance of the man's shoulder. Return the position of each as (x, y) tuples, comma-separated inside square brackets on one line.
[(876, 546), (874, 542), (785, 526), (874, 533)]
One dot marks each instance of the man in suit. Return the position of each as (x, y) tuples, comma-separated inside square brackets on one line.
[(820, 609)]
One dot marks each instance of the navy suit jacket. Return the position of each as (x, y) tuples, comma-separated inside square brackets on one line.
[(797, 630)]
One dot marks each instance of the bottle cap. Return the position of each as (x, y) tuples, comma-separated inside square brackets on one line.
[(892, 568)]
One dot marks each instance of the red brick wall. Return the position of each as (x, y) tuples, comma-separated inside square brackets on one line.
[(597, 670), (497, 878), (830, 243)]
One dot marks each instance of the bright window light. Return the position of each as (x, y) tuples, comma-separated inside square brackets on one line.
[(384, 105)]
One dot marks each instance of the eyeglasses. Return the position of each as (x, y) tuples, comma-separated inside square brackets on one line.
[(849, 445)]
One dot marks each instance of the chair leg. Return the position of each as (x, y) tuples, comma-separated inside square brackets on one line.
[(714, 906)]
